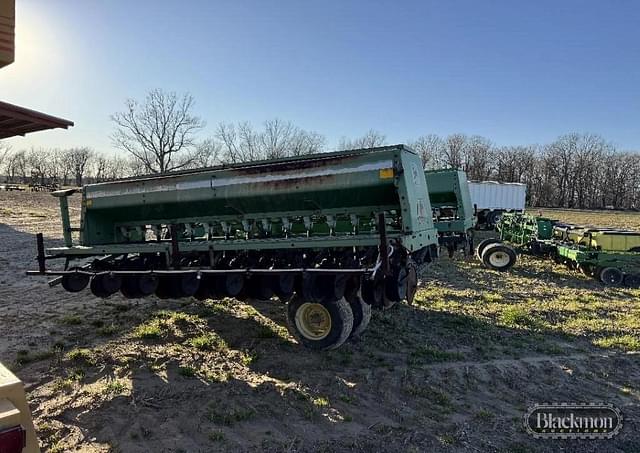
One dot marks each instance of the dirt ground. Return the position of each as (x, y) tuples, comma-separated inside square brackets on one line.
[(454, 372)]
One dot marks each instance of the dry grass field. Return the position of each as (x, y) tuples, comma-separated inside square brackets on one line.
[(454, 372), (617, 219)]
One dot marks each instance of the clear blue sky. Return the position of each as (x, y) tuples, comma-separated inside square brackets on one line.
[(517, 72)]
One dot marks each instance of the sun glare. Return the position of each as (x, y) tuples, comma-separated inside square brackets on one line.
[(37, 46)]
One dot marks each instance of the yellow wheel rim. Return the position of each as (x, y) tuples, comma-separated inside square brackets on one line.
[(313, 321)]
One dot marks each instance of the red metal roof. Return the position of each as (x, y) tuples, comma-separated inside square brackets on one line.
[(15, 120)]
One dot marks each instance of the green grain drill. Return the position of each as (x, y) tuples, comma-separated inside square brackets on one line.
[(333, 234), (453, 214)]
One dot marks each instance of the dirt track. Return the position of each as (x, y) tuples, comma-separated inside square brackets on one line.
[(454, 372)]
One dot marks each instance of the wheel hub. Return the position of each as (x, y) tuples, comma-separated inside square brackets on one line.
[(313, 321), (499, 259)]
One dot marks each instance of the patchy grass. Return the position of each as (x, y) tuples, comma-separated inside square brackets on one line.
[(517, 316), (320, 401), (151, 330), (24, 357), (187, 371), (114, 387), (431, 354), (207, 342), (107, 331), (231, 416), (82, 356), (216, 436), (71, 320), (625, 342), (402, 386)]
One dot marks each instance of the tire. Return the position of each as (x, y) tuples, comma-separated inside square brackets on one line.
[(499, 257), (330, 331), (493, 218), (361, 317), (632, 280), (483, 245), (611, 276), (588, 269)]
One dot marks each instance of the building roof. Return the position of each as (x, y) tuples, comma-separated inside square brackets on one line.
[(16, 120)]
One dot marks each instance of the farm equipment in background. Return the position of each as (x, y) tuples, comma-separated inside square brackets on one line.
[(491, 199), (453, 214), (332, 234), (609, 255)]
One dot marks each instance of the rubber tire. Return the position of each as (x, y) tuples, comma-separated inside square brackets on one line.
[(632, 280), (483, 245), (588, 270), (611, 276), (341, 323), (493, 218), (500, 248), (361, 317)]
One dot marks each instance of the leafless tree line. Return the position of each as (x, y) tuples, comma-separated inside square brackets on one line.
[(575, 171), (160, 134), (68, 167)]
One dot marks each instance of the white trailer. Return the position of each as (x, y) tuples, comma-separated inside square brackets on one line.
[(492, 198)]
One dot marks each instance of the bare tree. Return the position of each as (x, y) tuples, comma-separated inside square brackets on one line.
[(243, 143), (454, 151), (430, 148), (39, 163), (5, 152), (479, 158), (100, 168), (77, 160), (207, 154), (371, 139), (160, 132), (16, 166)]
